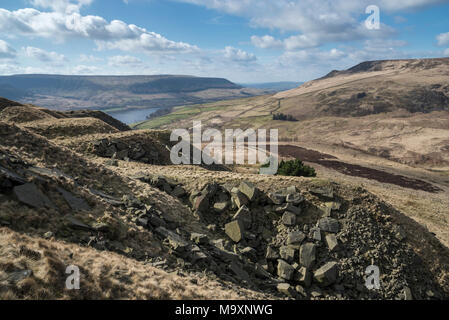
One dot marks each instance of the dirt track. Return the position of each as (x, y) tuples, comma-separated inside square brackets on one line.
[(331, 162)]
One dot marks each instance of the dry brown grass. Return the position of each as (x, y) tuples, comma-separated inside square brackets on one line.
[(104, 275)]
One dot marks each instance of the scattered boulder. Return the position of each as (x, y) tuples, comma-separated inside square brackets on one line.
[(295, 199), (239, 198), (289, 219), (285, 271), (327, 274), (271, 254), (326, 191), (295, 237), (244, 215), (276, 198), (307, 255), (249, 190), (30, 194), (75, 203), (332, 242), (304, 277), (286, 288), (287, 253), (328, 224), (235, 230)]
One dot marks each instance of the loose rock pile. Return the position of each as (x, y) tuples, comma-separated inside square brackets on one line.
[(125, 150), (301, 249)]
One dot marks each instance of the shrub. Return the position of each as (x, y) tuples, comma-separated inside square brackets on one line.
[(294, 168)]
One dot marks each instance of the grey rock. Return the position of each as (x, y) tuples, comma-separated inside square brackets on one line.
[(295, 198), (276, 198), (30, 194), (286, 288), (11, 176), (327, 274), (78, 225), (287, 253), (239, 199), (299, 289), (326, 191), (315, 233), (155, 221), (332, 242), (244, 215), (304, 277), (291, 190), (289, 219), (75, 203), (271, 254), (307, 255), (285, 271), (329, 225), (235, 230), (249, 190), (295, 237)]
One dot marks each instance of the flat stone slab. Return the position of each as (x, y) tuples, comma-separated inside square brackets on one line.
[(235, 230), (289, 219), (30, 194), (77, 204), (327, 274), (78, 225), (296, 237)]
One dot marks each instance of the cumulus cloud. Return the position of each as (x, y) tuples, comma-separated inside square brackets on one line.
[(45, 56), (60, 25), (6, 51), (316, 22), (65, 6), (238, 55), (443, 39), (266, 42), (120, 61), (89, 58)]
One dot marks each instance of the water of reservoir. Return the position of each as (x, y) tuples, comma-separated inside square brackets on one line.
[(132, 116)]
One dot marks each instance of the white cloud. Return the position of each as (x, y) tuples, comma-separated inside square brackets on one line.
[(446, 52), (443, 39), (45, 56), (82, 69), (266, 42), (6, 51), (316, 22), (124, 61), (65, 6), (60, 26), (89, 58), (238, 55)]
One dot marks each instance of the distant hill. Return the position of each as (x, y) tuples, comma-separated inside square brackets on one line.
[(273, 86), (118, 92), (373, 87)]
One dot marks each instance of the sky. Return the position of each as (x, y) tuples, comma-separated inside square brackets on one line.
[(245, 41)]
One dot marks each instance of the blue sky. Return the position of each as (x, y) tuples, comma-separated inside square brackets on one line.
[(242, 40)]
